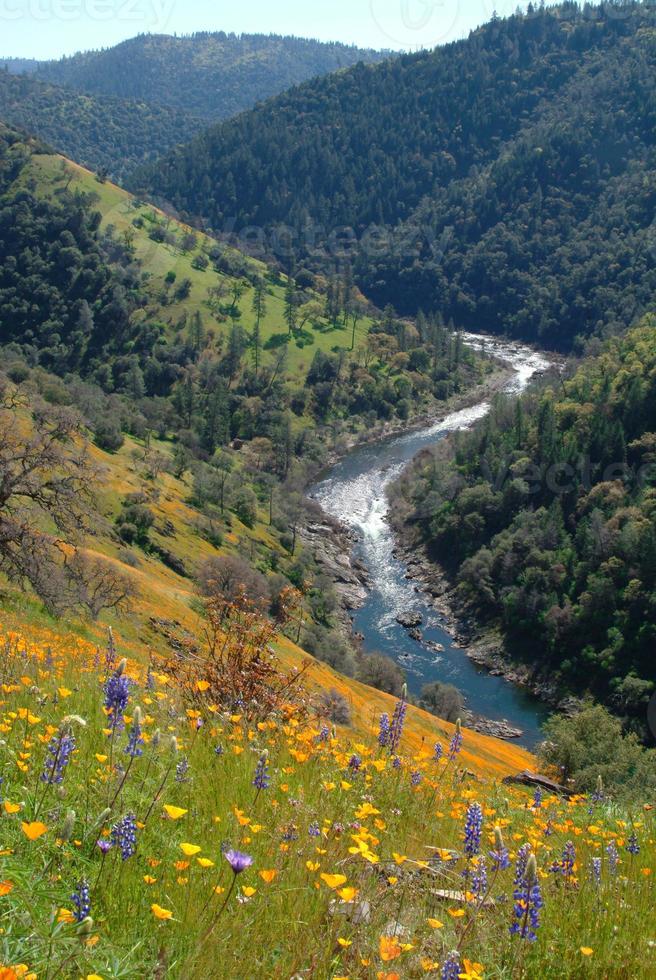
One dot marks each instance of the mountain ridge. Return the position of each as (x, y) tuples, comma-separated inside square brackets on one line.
[(376, 149), (211, 74)]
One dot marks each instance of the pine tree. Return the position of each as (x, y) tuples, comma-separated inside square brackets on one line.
[(197, 334), (291, 304), (259, 308)]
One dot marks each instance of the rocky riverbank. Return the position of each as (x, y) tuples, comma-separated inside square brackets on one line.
[(333, 539), (381, 431), (332, 545), (485, 648)]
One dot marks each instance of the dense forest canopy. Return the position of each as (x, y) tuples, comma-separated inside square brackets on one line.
[(506, 180), (59, 289), (546, 516), (104, 133), (209, 75)]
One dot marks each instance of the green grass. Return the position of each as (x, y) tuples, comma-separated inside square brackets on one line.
[(119, 210), (377, 831)]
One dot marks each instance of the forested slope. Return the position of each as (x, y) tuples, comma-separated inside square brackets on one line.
[(545, 515), (100, 132), (211, 75), (505, 181), (221, 369)]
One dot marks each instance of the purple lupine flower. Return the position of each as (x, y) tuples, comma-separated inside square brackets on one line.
[(110, 655), (60, 748), (632, 845), (537, 798), (396, 762), (479, 879), (290, 833), (324, 734), (500, 857), (523, 854), (438, 752), (383, 730), (613, 857), (314, 830), (238, 861), (150, 680), (569, 859), (117, 694), (528, 902), (262, 778), (451, 966), (124, 835), (181, 770), (548, 830), (355, 763), (473, 828), (565, 866), (596, 870), (81, 899), (135, 737), (456, 741), (416, 778), (398, 721)]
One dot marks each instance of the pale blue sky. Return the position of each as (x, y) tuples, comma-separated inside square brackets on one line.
[(50, 28)]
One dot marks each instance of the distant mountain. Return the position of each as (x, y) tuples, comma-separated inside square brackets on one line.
[(19, 66), (100, 132), (509, 178), (211, 75)]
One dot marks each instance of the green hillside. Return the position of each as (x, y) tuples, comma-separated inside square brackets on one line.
[(506, 180), (232, 378), (544, 516), (211, 75), (100, 132)]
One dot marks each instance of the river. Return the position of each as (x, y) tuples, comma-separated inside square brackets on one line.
[(354, 491)]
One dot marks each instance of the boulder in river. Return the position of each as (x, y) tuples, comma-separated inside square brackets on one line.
[(409, 620)]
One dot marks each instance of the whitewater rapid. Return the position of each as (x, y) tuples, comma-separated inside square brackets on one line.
[(355, 492)]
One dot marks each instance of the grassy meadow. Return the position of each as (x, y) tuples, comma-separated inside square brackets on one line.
[(150, 829), (120, 210)]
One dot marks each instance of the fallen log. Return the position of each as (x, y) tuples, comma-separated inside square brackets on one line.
[(527, 778)]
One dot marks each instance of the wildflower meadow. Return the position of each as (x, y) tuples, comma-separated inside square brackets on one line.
[(157, 828)]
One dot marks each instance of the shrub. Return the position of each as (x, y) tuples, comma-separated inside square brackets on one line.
[(443, 700), (244, 504), (329, 647), (135, 520), (335, 707), (591, 744), (228, 576), (108, 436), (381, 672)]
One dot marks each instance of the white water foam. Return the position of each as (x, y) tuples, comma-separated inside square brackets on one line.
[(360, 501)]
